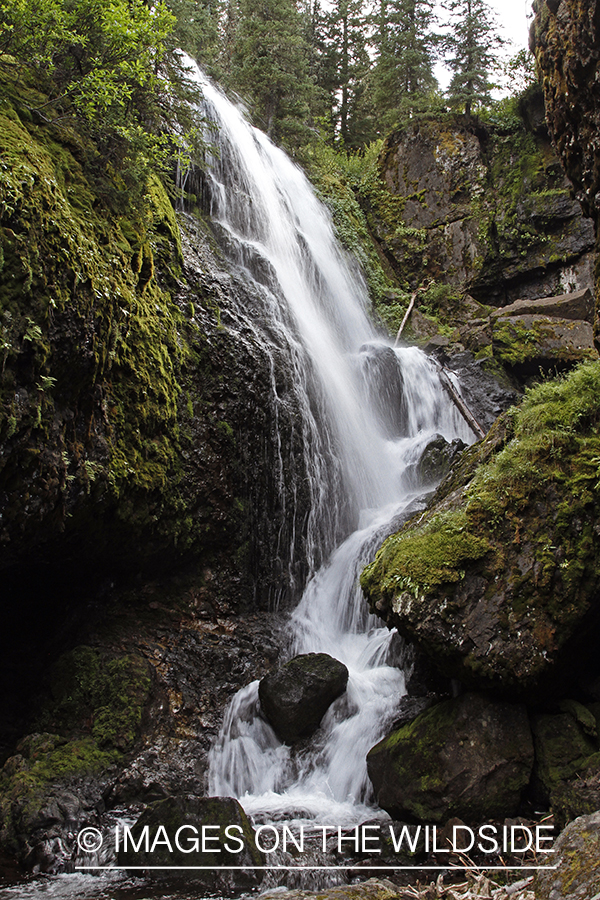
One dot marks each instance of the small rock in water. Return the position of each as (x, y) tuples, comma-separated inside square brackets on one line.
[(295, 698)]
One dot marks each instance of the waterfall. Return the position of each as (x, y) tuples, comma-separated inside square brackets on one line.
[(365, 413)]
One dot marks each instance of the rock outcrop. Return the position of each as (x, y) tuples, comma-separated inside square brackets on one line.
[(484, 208), (470, 757), (565, 37), (497, 582)]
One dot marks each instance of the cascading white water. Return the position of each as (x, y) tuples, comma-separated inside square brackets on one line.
[(367, 414)]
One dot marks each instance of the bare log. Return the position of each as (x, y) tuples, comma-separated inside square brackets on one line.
[(405, 319), (458, 400)]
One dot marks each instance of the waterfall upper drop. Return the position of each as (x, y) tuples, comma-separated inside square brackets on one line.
[(364, 413)]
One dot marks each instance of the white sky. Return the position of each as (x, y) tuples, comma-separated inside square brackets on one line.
[(514, 18)]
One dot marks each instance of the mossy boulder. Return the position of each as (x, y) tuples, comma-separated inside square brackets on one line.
[(567, 761), (562, 748), (579, 796), (498, 581), (40, 791), (572, 871), (189, 831), (97, 705), (469, 757), (295, 698)]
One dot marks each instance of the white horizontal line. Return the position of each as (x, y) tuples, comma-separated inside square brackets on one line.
[(323, 868)]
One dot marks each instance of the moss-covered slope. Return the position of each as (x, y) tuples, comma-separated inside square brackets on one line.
[(499, 580)]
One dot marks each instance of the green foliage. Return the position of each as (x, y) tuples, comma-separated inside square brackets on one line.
[(340, 179), (269, 66), (520, 72), (403, 79), (109, 69), (197, 27), (344, 66), (471, 43)]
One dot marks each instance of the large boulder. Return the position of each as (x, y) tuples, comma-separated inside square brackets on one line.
[(295, 698), (469, 757), (186, 831), (498, 581), (573, 872)]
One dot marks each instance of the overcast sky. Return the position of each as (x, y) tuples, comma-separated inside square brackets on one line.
[(513, 17)]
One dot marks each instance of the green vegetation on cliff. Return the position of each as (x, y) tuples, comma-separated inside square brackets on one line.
[(511, 543)]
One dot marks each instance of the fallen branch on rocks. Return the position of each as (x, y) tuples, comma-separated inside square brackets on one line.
[(477, 887)]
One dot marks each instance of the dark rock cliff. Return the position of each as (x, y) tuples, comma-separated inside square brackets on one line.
[(137, 438), (474, 216), (565, 37), (484, 208)]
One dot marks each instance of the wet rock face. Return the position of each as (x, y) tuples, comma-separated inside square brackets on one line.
[(438, 458), (566, 40), (196, 831), (384, 387), (295, 698), (469, 757), (497, 581), (483, 209), (576, 874)]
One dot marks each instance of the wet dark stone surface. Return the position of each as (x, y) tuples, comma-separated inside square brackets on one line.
[(295, 698)]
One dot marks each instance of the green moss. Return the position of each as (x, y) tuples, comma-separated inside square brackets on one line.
[(104, 697), (419, 558), (523, 522), (83, 270)]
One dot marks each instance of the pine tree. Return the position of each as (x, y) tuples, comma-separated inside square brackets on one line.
[(472, 44), (269, 66), (403, 79), (345, 64), (198, 26)]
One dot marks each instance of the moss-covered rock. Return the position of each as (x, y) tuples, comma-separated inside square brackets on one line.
[(573, 872), (498, 581), (562, 749), (478, 206), (470, 757), (212, 833)]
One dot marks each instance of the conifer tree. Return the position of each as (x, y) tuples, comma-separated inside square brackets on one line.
[(403, 79), (269, 65), (345, 65), (472, 46)]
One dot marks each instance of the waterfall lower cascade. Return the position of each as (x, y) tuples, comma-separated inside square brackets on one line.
[(367, 412)]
